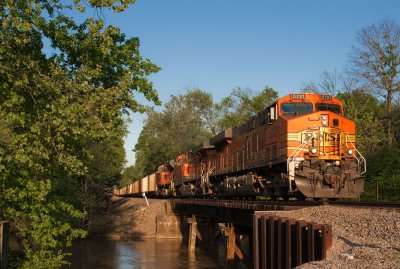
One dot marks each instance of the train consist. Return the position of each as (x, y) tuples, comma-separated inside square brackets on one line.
[(300, 146)]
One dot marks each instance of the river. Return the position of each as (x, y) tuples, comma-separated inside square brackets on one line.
[(148, 254)]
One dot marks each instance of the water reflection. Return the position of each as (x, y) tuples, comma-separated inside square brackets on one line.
[(149, 254)]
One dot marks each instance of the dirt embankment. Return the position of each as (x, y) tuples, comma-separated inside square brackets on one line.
[(131, 218)]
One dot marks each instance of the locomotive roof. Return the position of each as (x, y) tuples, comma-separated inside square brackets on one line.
[(313, 97), (259, 118)]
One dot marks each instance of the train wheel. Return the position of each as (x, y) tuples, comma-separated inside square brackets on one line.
[(300, 196)]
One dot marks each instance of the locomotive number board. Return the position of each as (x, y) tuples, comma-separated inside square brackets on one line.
[(298, 96), (326, 97)]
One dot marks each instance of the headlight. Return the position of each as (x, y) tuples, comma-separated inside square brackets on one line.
[(337, 163), (313, 151), (324, 120), (349, 152)]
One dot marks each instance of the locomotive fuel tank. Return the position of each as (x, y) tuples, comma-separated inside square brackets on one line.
[(187, 190), (246, 186), (229, 186)]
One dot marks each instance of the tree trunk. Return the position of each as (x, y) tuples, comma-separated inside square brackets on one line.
[(389, 112)]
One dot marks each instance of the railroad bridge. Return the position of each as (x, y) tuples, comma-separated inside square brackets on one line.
[(273, 242)]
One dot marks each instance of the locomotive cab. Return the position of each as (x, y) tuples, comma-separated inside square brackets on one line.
[(322, 159)]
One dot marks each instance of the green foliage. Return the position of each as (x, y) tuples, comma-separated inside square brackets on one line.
[(62, 128), (375, 61), (129, 175), (237, 108), (187, 120), (184, 123), (384, 172), (366, 111)]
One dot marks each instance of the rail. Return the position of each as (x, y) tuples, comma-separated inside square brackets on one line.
[(366, 204)]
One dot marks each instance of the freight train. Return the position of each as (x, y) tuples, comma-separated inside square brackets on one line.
[(300, 146)]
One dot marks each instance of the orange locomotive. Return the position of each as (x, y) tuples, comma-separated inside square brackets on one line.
[(299, 146)]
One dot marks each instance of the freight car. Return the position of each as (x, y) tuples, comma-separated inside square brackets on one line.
[(156, 184), (299, 146)]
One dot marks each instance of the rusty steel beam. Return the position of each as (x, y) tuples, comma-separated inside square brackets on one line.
[(287, 243)]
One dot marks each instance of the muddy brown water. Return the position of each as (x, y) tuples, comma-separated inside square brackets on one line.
[(148, 254)]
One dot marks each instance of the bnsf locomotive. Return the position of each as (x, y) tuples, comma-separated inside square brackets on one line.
[(300, 146)]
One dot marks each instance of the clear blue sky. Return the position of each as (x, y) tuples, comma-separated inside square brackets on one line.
[(217, 45)]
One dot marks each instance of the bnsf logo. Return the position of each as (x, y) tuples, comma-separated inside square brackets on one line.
[(331, 137)]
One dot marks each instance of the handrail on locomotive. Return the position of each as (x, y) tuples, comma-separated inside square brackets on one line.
[(360, 160), (293, 158)]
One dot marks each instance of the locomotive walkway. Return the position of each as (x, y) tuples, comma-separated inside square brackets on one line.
[(273, 242)]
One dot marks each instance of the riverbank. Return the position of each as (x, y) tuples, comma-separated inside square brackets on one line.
[(131, 218)]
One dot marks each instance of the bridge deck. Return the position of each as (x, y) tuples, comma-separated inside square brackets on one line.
[(276, 242)]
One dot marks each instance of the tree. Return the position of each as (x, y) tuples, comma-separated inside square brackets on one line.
[(332, 83), (376, 61), (62, 112), (188, 120), (129, 175), (184, 123), (237, 108), (366, 111)]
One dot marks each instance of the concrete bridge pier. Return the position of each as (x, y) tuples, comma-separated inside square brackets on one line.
[(193, 233)]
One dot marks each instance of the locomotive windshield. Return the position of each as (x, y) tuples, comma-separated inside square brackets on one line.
[(296, 108), (329, 107)]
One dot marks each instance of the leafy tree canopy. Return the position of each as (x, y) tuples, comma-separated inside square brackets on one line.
[(187, 120), (375, 61), (128, 175), (241, 104), (61, 111), (183, 124)]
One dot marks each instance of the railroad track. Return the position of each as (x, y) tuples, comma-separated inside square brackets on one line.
[(279, 205), (249, 205), (365, 204)]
